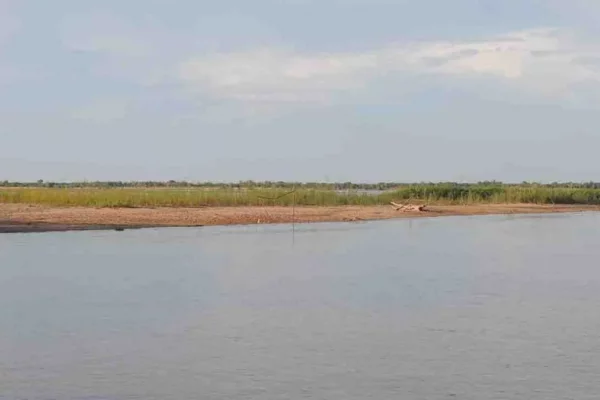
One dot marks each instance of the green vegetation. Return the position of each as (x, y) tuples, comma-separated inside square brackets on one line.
[(244, 194)]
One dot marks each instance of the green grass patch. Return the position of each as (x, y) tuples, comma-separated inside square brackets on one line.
[(203, 197)]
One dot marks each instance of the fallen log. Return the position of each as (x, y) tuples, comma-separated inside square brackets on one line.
[(408, 207)]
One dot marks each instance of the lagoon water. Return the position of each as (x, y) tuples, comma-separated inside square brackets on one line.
[(495, 307)]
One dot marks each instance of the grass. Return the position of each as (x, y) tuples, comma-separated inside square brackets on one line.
[(199, 197)]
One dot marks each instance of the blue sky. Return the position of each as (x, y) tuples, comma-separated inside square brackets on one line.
[(328, 90)]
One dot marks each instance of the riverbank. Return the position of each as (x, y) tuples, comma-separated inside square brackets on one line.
[(27, 218)]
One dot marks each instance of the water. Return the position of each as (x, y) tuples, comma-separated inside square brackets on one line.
[(450, 308)]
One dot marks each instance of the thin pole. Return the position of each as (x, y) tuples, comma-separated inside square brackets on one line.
[(294, 216)]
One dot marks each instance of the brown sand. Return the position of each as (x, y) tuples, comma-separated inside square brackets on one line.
[(26, 218)]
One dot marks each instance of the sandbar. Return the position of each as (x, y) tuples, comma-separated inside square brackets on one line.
[(20, 218)]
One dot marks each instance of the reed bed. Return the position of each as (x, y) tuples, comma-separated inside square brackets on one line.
[(228, 197)]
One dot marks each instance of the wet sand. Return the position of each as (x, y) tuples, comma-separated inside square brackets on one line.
[(26, 218)]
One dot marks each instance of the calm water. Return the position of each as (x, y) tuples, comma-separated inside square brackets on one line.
[(449, 308)]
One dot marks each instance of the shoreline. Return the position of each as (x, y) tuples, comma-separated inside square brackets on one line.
[(22, 218)]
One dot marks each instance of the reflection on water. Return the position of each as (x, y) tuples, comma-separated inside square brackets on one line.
[(493, 307)]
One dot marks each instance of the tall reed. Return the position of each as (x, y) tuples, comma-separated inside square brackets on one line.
[(198, 197)]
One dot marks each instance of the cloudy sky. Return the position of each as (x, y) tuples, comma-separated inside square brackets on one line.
[(328, 90)]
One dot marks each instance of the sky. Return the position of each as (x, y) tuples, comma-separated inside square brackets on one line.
[(300, 90)]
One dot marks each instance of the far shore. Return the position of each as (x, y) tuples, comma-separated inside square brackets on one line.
[(19, 218)]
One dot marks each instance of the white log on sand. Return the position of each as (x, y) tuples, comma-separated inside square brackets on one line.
[(408, 207)]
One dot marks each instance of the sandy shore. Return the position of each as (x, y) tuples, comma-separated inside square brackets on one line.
[(26, 218)]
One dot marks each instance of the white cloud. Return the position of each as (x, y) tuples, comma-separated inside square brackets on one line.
[(278, 76), (544, 61)]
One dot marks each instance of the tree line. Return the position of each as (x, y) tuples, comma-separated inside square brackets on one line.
[(249, 184)]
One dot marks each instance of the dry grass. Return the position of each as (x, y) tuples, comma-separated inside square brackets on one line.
[(227, 197)]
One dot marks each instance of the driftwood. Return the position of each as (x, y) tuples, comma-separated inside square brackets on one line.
[(408, 207)]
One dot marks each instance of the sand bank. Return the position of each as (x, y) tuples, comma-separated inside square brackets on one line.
[(27, 218)]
